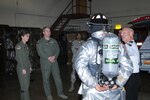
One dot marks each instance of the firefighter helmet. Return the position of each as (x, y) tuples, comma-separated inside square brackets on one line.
[(98, 22), (98, 18)]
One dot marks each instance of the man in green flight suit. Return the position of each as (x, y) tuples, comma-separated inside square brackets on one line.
[(48, 50)]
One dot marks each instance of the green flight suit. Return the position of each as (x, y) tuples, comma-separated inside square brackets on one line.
[(45, 49), (23, 62)]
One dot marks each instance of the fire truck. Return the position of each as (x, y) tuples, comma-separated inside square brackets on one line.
[(141, 26)]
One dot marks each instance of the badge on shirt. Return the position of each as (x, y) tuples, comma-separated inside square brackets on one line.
[(130, 43)]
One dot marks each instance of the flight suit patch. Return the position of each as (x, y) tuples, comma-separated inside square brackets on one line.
[(18, 47)]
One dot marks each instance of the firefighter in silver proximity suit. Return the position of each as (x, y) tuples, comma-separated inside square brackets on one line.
[(87, 65)]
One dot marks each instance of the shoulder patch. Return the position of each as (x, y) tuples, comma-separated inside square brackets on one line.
[(18, 47)]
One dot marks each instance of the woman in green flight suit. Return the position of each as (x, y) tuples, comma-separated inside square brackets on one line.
[(23, 64)]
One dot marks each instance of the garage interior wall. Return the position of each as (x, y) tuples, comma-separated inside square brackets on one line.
[(30, 13), (38, 13)]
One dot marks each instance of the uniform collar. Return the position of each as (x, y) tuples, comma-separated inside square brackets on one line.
[(129, 43), (21, 42), (99, 34), (23, 45), (46, 40)]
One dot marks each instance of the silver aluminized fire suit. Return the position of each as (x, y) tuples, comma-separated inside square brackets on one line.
[(86, 67)]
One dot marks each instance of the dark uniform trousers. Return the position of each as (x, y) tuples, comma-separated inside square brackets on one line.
[(132, 87)]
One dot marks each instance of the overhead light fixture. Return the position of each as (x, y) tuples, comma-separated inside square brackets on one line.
[(118, 26)]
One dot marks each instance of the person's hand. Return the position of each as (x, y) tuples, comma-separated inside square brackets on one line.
[(101, 88), (51, 58), (54, 58), (24, 71), (30, 69), (114, 87)]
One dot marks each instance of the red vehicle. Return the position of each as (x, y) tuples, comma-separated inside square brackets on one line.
[(141, 26)]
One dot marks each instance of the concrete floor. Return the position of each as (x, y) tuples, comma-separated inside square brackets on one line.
[(10, 90)]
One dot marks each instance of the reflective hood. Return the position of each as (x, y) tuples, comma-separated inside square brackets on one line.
[(99, 34)]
